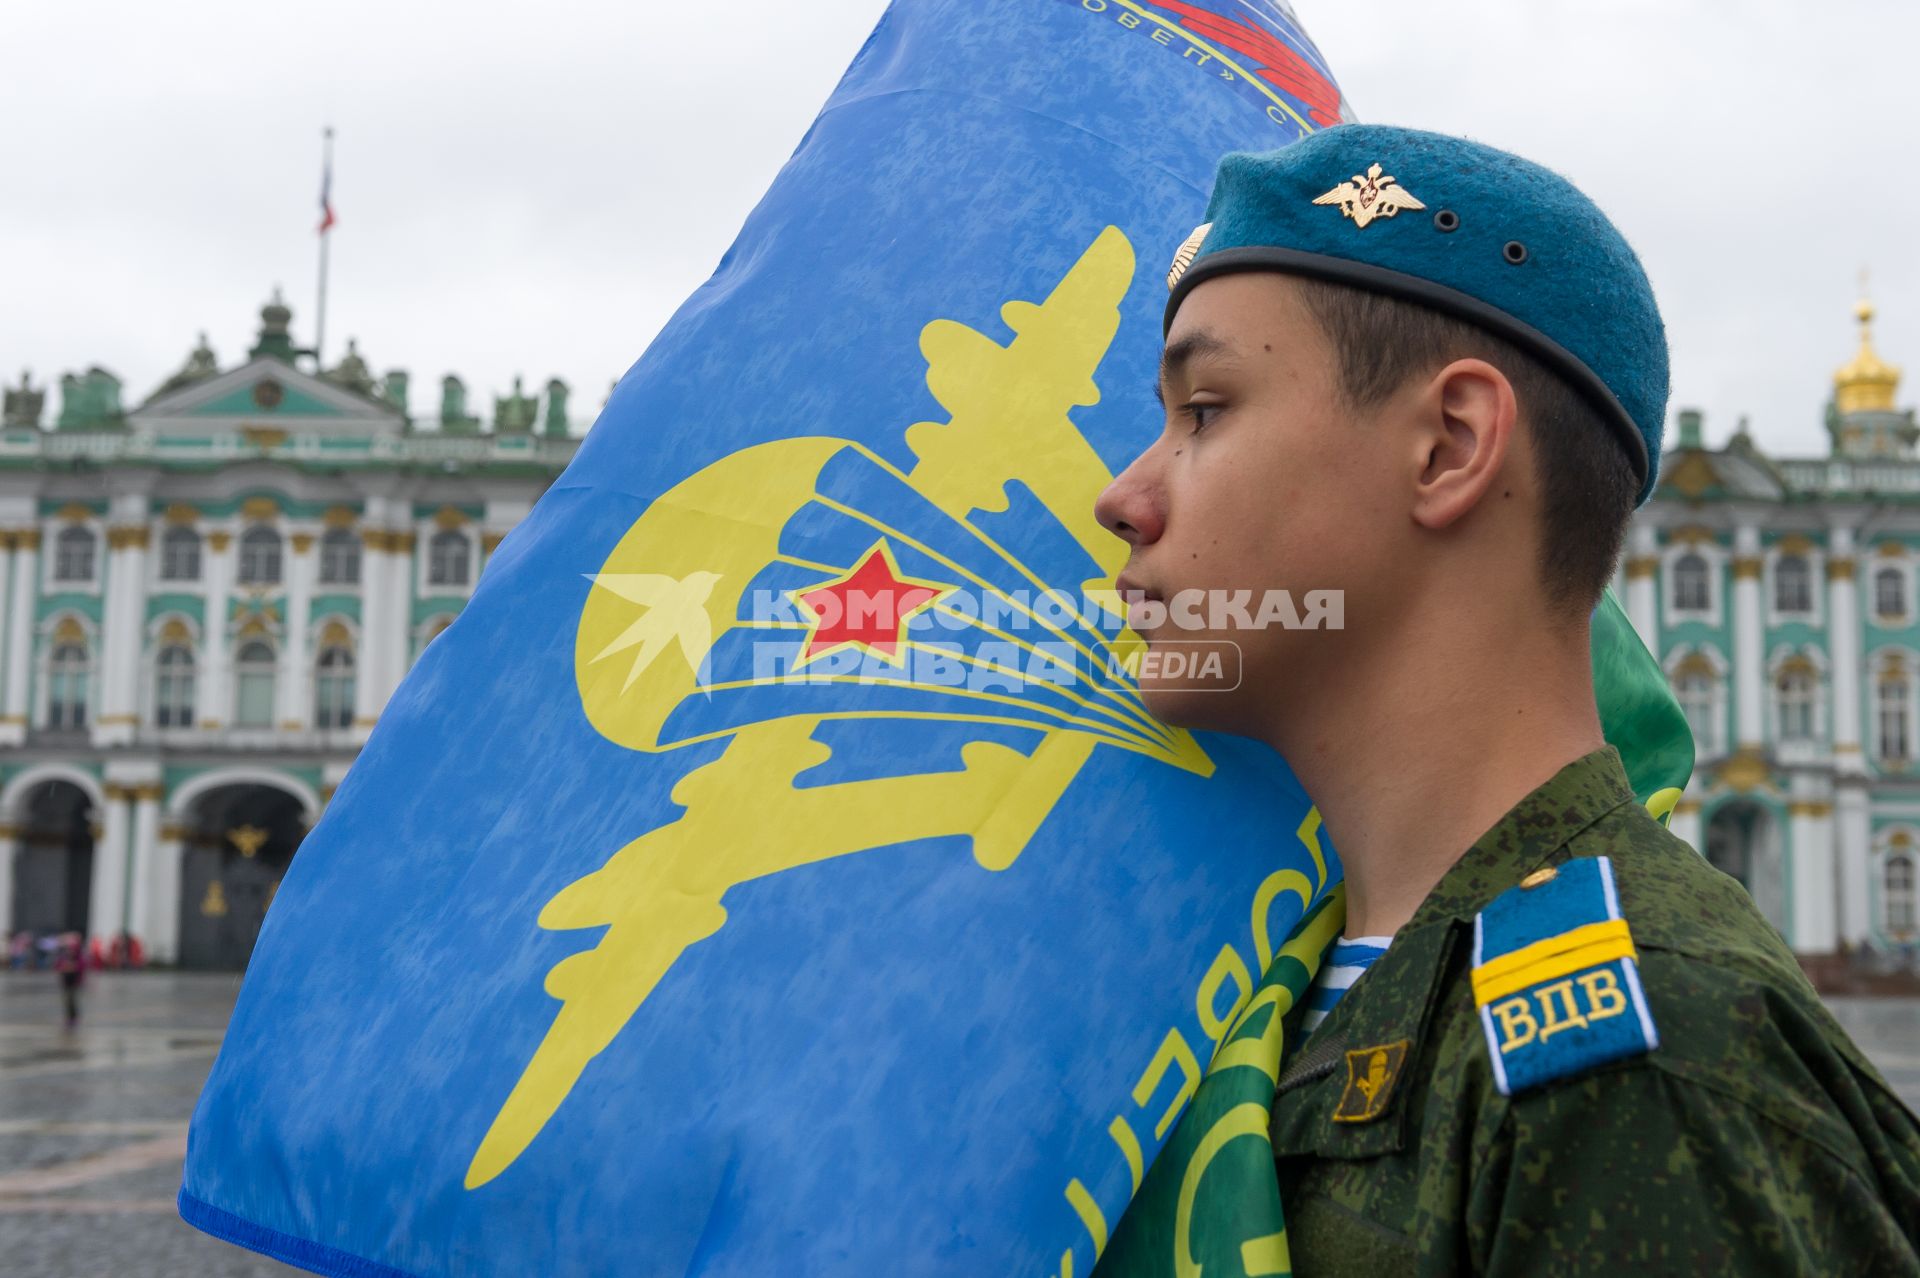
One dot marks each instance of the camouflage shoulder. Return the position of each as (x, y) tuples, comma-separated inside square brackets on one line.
[(1682, 977)]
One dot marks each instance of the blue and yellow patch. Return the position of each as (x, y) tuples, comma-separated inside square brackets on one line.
[(1555, 977)]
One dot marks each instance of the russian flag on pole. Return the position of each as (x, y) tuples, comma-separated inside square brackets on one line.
[(326, 188), (774, 870)]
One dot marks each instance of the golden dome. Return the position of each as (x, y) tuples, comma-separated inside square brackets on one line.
[(1865, 383)]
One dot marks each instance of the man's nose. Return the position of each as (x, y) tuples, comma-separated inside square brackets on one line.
[(1132, 508)]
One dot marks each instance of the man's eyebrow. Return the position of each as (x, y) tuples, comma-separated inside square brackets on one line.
[(1175, 358)]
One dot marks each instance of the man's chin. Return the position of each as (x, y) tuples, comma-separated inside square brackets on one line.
[(1195, 708), (1215, 703)]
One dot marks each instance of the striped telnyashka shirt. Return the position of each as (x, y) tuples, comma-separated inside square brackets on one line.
[(1351, 956)]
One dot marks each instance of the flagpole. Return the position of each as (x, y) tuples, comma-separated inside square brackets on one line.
[(320, 319)]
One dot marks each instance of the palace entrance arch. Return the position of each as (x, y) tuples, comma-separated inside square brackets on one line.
[(52, 870), (1743, 839), (237, 843)]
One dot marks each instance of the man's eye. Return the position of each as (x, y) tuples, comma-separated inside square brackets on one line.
[(1200, 415)]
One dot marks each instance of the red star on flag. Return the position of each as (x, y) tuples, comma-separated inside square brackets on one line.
[(869, 607)]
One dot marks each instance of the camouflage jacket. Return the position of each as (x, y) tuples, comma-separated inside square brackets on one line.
[(1755, 1139)]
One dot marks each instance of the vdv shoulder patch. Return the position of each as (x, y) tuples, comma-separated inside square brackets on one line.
[(1555, 978)]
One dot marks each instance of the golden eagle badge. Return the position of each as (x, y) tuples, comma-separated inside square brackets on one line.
[(1365, 196)]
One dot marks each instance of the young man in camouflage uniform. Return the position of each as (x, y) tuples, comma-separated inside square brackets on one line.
[(1432, 376)]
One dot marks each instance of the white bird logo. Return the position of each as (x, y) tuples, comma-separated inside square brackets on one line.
[(675, 608)]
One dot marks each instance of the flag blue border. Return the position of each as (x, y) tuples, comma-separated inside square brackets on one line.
[(310, 1256)]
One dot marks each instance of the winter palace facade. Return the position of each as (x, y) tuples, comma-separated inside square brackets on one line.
[(205, 601), (1779, 595)]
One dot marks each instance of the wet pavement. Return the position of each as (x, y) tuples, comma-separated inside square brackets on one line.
[(93, 1126), (93, 1122), (1888, 1030)]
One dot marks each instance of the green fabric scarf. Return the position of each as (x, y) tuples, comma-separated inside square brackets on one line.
[(1210, 1204)]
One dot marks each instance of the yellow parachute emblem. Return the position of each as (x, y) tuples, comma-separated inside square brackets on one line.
[(675, 583)]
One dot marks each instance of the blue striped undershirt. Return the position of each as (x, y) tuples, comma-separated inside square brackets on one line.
[(1351, 956)]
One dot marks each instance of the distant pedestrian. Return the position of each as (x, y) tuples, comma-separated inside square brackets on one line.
[(20, 949), (70, 961)]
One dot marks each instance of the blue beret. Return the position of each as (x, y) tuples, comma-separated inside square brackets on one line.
[(1463, 228)]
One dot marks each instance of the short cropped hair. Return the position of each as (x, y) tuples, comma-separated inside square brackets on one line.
[(1587, 482)]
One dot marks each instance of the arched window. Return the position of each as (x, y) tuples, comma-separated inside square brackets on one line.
[(180, 555), (69, 674), (1794, 690), (259, 556), (333, 687), (1890, 592), (1690, 582), (1897, 895), (173, 686), (1792, 584), (1696, 686), (73, 552), (340, 557), (253, 670), (1694, 690), (449, 558), (1892, 702)]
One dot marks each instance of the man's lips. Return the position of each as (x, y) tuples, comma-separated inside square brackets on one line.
[(1136, 597)]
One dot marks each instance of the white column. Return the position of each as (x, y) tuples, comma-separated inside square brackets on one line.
[(503, 514), (1852, 830), (11, 733), (295, 695), (215, 692), (490, 539), (122, 627), (9, 848), (399, 628), (1686, 823), (332, 773), (1643, 584), (162, 937), (1750, 730), (6, 626), (1815, 911), (15, 700), (376, 602), (107, 909), (145, 860), (1844, 653)]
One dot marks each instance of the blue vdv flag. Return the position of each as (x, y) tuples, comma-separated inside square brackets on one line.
[(775, 869)]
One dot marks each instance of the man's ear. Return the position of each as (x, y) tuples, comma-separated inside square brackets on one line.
[(1467, 415)]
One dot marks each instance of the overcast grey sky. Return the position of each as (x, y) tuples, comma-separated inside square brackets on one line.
[(533, 188)]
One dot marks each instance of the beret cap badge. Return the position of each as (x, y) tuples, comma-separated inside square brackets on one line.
[(1368, 195), (1504, 244), (1184, 255)]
